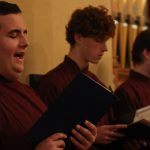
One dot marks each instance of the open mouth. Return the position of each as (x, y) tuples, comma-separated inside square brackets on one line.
[(19, 55)]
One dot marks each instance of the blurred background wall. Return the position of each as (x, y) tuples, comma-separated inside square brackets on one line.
[(46, 20)]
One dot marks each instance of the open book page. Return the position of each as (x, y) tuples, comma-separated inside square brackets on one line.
[(142, 113)]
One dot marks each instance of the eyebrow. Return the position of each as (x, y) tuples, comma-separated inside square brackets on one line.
[(17, 31)]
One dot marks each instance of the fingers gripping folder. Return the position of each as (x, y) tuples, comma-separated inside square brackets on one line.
[(83, 99)]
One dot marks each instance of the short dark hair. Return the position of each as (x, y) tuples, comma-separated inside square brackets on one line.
[(8, 8), (90, 22), (141, 42)]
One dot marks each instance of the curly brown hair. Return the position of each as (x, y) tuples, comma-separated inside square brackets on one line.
[(92, 22)]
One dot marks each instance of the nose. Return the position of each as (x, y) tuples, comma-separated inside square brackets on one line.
[(103, 47), (24, 42)]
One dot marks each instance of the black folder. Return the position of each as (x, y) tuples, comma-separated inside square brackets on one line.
[(137, 129), (83, 99)]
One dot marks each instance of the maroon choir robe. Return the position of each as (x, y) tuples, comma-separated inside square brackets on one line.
[(134, 93), (20, 108)]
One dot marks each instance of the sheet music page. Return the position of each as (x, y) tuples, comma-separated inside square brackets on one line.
[(142, 113)]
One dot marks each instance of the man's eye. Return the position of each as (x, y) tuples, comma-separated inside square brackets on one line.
[(14, 35)]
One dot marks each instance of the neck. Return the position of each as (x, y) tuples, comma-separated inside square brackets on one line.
[(142, 70), (75, 55)]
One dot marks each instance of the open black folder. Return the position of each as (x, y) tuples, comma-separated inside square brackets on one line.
[(138, 123), (84, 99), (137, 129)]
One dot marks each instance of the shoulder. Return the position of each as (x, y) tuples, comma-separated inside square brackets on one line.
[(59, 76), (53, 74), (129, 85), (130, 90), (24, 87)]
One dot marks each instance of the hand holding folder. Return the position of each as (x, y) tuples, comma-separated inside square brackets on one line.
[(84, 99), (140, 126)]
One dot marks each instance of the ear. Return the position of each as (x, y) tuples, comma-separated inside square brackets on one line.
[(78, 38), (146, 54)]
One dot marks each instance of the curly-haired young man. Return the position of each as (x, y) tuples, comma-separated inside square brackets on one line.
[(87, 32)]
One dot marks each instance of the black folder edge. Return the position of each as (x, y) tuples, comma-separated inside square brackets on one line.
[(137, 129), (91, 110)]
